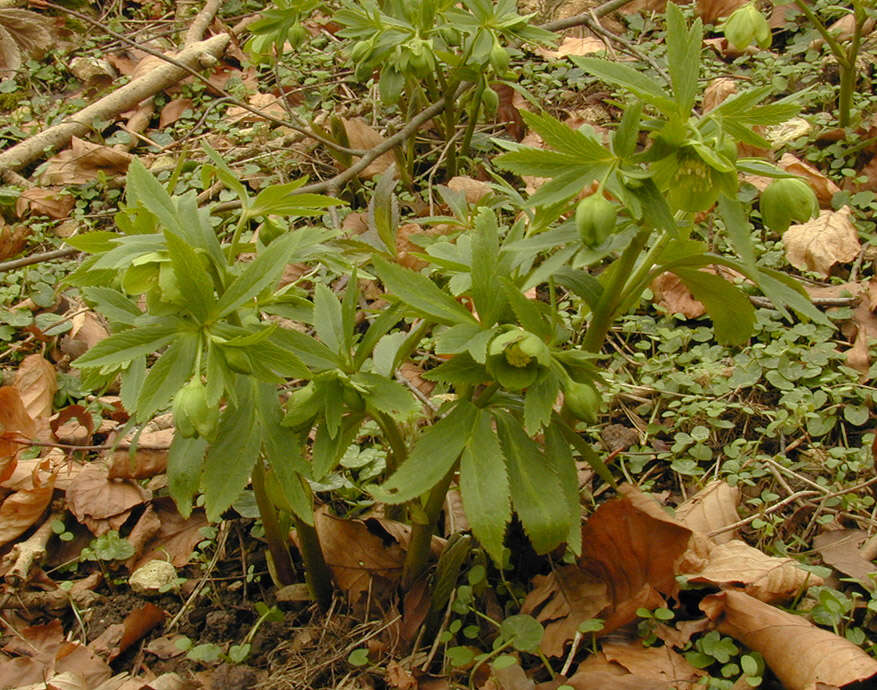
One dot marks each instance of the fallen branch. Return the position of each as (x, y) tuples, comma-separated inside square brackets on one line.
[(108, 107)]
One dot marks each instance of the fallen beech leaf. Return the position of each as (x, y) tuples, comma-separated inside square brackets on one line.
[(783, 638), (824, 188), (819, 244), (712, 10), (116, 639), (12, 238), (83, 162), (74, 425), (840, 549), (86, 332), (143, 532), (38, 201), (844, 29), (177, 536), (474, 190), (21, 510), (764, 577), (671, 294), (598, 672), (263, 102), (717, 91), (572, 45), (173, 111), (102, 503), (37, 381), (561, 601), (660, 663), (361, 135), (360, 561), (15, 423), (711, 508)]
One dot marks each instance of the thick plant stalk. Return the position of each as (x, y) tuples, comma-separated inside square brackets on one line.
[(278, 541), (317, 573)]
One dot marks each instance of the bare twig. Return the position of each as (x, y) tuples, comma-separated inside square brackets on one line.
[(37, 258), (201, 21)]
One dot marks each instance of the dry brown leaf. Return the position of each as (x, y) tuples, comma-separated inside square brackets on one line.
[(736, 564), (858, 357), (840, 549), (173, 111), (12, 237), (717, 91), (177, 536), (598, 672), (15, 423), (21, 510), (102, 503), (646, 6), (844, 29), (660, 663), (820, 244), (360, 561), (30, 31), (264, 102), (474, 190), (799, 653), (38, 201), (572, 45), (711, 508), (83, 162), (87, 331), (143, 532), (73, 425), (136, 625), (37, 382), (412, 373), (712, 10), (10, 54), (672, 294), (824, 188), (361, 135), (561, 601)]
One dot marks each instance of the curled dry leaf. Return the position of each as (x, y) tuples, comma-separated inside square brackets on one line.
[(572, 45), (73, 425), (713, 10), (800, 654), (360, 561), (83, 162), (764, 577), (173, 111), (820, 244), (598, 672), (21, 32), (86, 332), (717, 91), (176, 538), (38, 201), (361, 135), (37, 382), (474, 190), (21, 510), (12, 237), (844, 29), (264, 102), (840, 549), (711, 508), (671, 294), (660, 663), (824, 188), (15, 423), (101, 503)]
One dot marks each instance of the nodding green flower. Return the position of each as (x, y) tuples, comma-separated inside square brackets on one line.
[(700, 175), (595, 219), (193, 416), (583, 401), (517, 359), (787, 200), (747, 24)]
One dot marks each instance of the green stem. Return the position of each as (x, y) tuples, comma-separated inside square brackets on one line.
[(474, 109), (235, 238), (397, 455), (421, 532), (604, 311), (278, 542), (848, 72), (641, 274), (830, 39), (317, 573)]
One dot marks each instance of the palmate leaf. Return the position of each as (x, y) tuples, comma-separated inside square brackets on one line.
[(489, 300), (142, 188), (432, 457), (683, 57), (185, 459), (484, 485), (583, 147), (327, 318), (559, 456), (194, 281), (169, 373), (628, 78), (534, 490), (127, 345)]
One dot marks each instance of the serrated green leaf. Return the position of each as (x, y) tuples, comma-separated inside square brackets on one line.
[(627, 78), (484, 485), (557, 135), (626, 135), (328, 450), (185, 459), (112, 304), (144, 189), (265, 270), (387, 396), (534, 490), (327, 318), (388, 318), (683, 56), (127, 345), (232, 454), (739, 231), (730, 309), (461, 370), (431, 458), (560, 458), (95, 242), (282, 200), (383, 210), (531, 313), (312, 352), (538, 403), (169, 373), (193, 281), (421, 294), (489, 302)]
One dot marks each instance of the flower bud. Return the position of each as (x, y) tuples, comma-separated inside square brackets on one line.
[(785, 201), (745, 25), (595, 219), (499, 58), (193, 416), (583, 401)]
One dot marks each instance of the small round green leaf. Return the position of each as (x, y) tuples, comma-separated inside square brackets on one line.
[(524, 632)]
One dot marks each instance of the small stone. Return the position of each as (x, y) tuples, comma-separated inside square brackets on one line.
[(150, 578)]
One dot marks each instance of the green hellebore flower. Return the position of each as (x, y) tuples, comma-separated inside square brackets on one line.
[(747, 24), (193, 416), (517, 359), (786, 200)]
